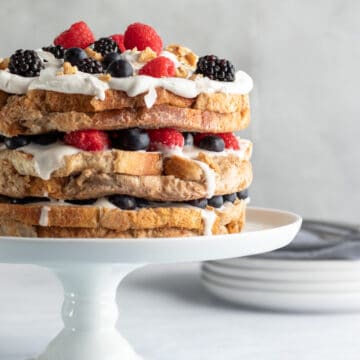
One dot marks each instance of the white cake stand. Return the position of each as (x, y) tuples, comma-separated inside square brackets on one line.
[(91, 269)]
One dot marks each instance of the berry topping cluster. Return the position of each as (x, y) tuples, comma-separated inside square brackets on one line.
[(131, 139), (139, 51)]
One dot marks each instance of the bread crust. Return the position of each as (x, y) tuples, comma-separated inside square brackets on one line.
[(110, 161), (90, 221), (20, 116), (124, 162), (231, 175), (52, 101)]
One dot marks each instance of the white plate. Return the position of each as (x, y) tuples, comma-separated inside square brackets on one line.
[(286, 275), (286, 301), (303, 265), (283, 286)]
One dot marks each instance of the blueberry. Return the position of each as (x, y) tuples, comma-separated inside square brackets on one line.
[(17, 141), (28, 200), (216, 201), (109, 58), (45, 139), (124, 202), (75, 55), (188, 138), (212, 143), (81, 202), (120, 68), (130, 139), (142, 203), (243, 194), (200, 203), (230, 197)]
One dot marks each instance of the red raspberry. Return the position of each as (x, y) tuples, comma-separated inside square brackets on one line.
[(165, 138), (141, 36), (158, 67), (230, 140), (89, 140), (78, 35), (119, 39)]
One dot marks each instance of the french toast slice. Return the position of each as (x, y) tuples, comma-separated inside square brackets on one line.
[(92, 221), (229, 176)]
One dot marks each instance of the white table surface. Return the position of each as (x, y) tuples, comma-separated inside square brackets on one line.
[(166, 314)]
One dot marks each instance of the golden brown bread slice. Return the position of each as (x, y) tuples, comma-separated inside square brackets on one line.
[(230, 175), (123, 162), (51, 101), (110, 161), (21, 116), (91, 221)]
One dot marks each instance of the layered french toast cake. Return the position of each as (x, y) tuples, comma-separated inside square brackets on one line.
[(122, 136)]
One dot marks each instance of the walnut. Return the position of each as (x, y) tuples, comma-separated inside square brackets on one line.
[(93, 54), (4, 63), (67, 69), (105, 77), (147, 55), (184, 55), (181, 72)]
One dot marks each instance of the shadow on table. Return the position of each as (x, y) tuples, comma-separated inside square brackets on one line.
[(180, 284)]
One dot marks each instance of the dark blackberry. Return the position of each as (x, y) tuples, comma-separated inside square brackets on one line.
[(25, 63), (215, 68), (105, 46), (90, 66), (58, 51)]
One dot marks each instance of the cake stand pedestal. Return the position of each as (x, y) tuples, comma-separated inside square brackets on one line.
[(91, 269)]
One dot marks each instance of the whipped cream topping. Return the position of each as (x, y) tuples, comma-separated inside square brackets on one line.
[(79, 83), (48, 158), (87, 84), (14, 84)]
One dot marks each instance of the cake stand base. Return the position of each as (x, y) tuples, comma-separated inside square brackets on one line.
[(89, 314), (91, 269)]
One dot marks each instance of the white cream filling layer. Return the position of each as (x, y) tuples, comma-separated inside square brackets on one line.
[(87, 84)]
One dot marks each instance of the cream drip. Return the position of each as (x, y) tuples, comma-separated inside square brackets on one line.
[(48, 158), (44, 216), (209, 218)]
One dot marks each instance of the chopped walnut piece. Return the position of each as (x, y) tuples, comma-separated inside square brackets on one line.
[(105, 77), (93, 54), (147, 55), (4, 63), (184, 55), (67, 69), (181, 72)]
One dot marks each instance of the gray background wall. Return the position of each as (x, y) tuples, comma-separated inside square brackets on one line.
[(303, 55)]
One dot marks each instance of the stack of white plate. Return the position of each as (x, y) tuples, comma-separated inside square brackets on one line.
[(286, 284)]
